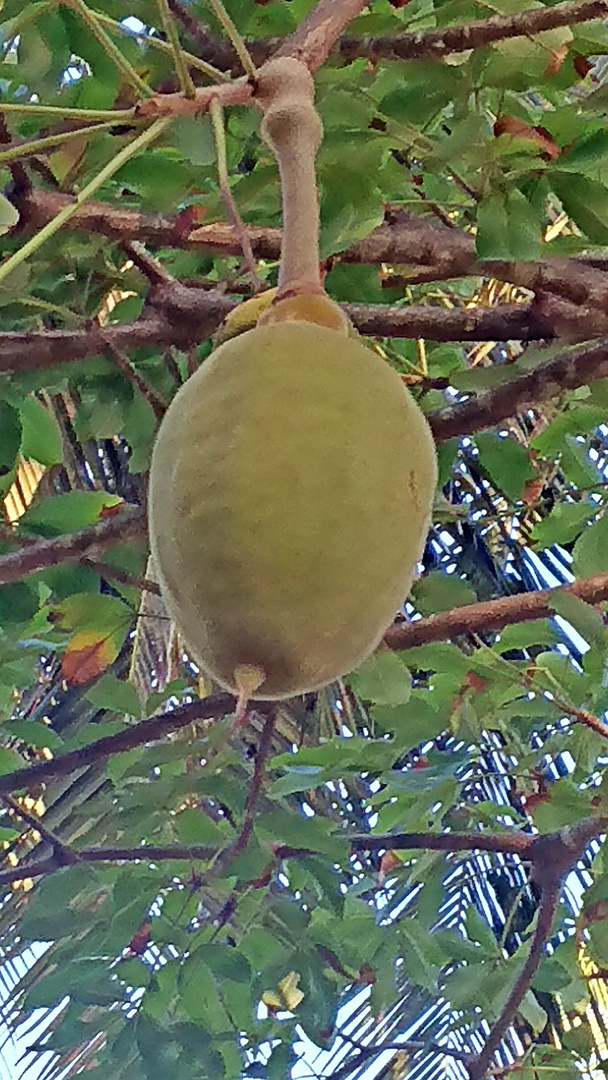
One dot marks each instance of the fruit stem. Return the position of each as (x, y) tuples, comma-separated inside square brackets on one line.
[(284, 89)]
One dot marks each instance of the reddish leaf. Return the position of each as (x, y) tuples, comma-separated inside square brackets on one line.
[(87, 654), (512, 125), (532, 490), (556, 59), (141, 939), (367, 975), (111, 511), (582, 66)]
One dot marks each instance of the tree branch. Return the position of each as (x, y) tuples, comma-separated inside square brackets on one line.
[(424, 44), (71, 547), (513, 843), (143, 853), (196, 314), (431, 44), (214, 707), (551, 854), (230, 853), (549, 900), (492, 614), (566, 371), (317, 35), (571, 294)]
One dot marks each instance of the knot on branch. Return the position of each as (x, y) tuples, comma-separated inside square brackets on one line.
[(553, 855)]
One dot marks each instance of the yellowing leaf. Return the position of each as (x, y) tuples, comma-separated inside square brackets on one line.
[(288, 996), (87, 655)]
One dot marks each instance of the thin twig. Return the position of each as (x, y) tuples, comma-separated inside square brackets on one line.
[(112, 51), (123, 577), (368, 1050), (217, 120), (235, 38), (123, 363), (183, 74), (150, 267), (60, 848), (150, 853), (229, 854)]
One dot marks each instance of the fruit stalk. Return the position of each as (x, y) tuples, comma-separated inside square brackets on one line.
[(292, 128)]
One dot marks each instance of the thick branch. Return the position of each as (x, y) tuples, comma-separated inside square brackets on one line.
[(504, 322), (156, 727), (316, 36), (566, 371), (429, 44), (143, 853), (492, 614), (513, 843), (197, 313), (181, 317), (551, 854), (572, 294), (72, 546), (425, 44), (549, 899)]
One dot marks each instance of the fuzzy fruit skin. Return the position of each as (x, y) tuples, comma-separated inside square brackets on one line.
[(290, 495)]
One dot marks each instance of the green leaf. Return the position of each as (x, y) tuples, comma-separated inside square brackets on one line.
[(585, 201), (35, 734), (18, 603), (566, 521), (507, 463), (116, 695), (9, 760), (298, 778), (194, 136), (9, 215), (382, 679), (480, 931), (200, 998), (66, 513), (508, 227), (532, 1012), (10, 437), (194, 827), (590, 552), (581, 420), (583, 617), (41, 438), (587, 153), (523, 635), (437, 591)]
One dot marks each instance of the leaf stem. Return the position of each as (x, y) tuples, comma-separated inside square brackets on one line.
[(117, 116), (124, 66), (164, 46), (148, 136), (235, 38), (185, 79), (14, 153), (217, 119)]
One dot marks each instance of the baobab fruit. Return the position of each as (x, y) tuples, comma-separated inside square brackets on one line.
[(291, 488)]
